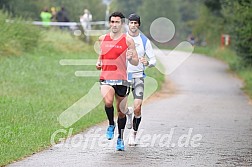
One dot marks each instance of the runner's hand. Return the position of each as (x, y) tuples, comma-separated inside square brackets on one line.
[(144, 61), (98, 65), (129, 54)]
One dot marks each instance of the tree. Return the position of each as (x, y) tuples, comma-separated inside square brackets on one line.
[(127, 7), (210, 24), (32, 8), (24, 8), (208, 27), (151, 10), (238, 17), (189, 12), (214, 6)]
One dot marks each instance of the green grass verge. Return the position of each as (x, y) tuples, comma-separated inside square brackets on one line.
[(35, 89)]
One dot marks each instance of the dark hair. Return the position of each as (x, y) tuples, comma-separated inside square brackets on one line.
[(117, 14), (134, 17), (46, 9)]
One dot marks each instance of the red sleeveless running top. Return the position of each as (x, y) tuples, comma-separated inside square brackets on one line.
[(113, 58)]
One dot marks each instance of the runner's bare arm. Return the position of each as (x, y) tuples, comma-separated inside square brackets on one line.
[(131, 52), (98, 63)]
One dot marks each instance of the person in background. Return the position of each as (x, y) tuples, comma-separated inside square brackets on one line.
[(46, 17), (62, 16), (54, 14), (85, 20)]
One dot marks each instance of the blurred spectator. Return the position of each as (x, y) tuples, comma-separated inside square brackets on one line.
[(46, 17), (62, 16), (85, 20), (54, 14), (191, 39)]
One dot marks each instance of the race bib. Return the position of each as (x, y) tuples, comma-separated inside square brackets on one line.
[(112, 82)]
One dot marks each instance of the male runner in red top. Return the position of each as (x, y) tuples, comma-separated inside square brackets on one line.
[(117, 49)]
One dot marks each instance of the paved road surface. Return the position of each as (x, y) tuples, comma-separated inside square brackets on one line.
[(206, 122)]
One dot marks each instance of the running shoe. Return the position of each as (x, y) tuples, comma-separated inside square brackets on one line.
[(129, 114), (110, 132), (132, 139), (119, 145)]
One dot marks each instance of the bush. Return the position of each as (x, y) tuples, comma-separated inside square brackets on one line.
[(239, 26)]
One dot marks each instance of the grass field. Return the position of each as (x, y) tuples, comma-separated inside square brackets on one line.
[(35, 89)]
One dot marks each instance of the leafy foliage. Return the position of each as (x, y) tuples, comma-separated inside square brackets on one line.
[(239, 19), (208, 27), (32, 8), (233, 17), (127, 7), (189, 11), (151, 10), (214, 6)]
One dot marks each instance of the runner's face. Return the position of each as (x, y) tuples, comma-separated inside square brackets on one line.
[(115, 24), (133, 26)]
